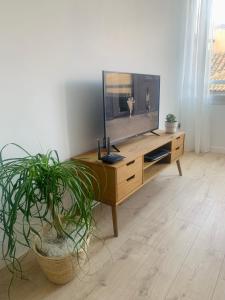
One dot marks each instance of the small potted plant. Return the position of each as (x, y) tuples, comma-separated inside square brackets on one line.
[(171, 123), (46, 205)]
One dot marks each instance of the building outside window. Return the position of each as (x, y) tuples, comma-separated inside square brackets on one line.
[(217, 76)]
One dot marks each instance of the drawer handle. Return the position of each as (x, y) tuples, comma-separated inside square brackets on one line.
[(178, 138), (131, 177), (130, 162), (177, 148)]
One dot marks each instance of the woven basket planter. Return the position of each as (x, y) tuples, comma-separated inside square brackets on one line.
[(61, 269)]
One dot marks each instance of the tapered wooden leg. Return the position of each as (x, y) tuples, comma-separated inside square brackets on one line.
[(179, 167), (114, 219)]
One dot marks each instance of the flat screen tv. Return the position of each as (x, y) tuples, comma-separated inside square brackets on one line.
[(131, 104)]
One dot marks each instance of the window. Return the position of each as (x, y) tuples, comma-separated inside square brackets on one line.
[(217, 76)]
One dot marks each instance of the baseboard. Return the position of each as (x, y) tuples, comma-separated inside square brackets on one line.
[(217, 149)]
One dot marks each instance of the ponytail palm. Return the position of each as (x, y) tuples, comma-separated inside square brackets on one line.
[(38, 190)]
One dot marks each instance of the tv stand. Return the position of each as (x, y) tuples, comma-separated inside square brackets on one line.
[(154, 133), (119, 181)]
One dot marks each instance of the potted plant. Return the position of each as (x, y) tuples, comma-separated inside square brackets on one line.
[(171, 123), (46, 205)]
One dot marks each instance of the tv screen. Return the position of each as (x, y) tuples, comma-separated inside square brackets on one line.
[(131, 104)]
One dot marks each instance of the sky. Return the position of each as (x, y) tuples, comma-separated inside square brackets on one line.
[(219, 12)]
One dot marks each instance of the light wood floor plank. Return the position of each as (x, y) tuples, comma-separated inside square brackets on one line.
[(171, 243)]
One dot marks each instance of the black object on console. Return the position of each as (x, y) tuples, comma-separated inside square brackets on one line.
[(155, 155), (112, 158), (108, 158)]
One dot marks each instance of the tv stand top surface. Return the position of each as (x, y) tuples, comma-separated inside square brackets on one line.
[(134, 147)]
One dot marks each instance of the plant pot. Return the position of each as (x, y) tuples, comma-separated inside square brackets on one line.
[(61, 269), (171, 127)]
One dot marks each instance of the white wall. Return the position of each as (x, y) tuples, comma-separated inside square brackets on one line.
[(51, 56), (218, 128)]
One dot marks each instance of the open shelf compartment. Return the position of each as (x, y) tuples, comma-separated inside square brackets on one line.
[(163, 159), (150, 173)]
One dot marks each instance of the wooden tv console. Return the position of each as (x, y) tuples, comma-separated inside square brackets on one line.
[(120, 180)]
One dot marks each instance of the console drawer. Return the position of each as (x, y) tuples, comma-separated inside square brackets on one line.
[(132, 167), (177, 152), (178, 141), (129, 184)]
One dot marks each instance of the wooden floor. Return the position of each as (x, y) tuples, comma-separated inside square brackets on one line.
[(171, 243)]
